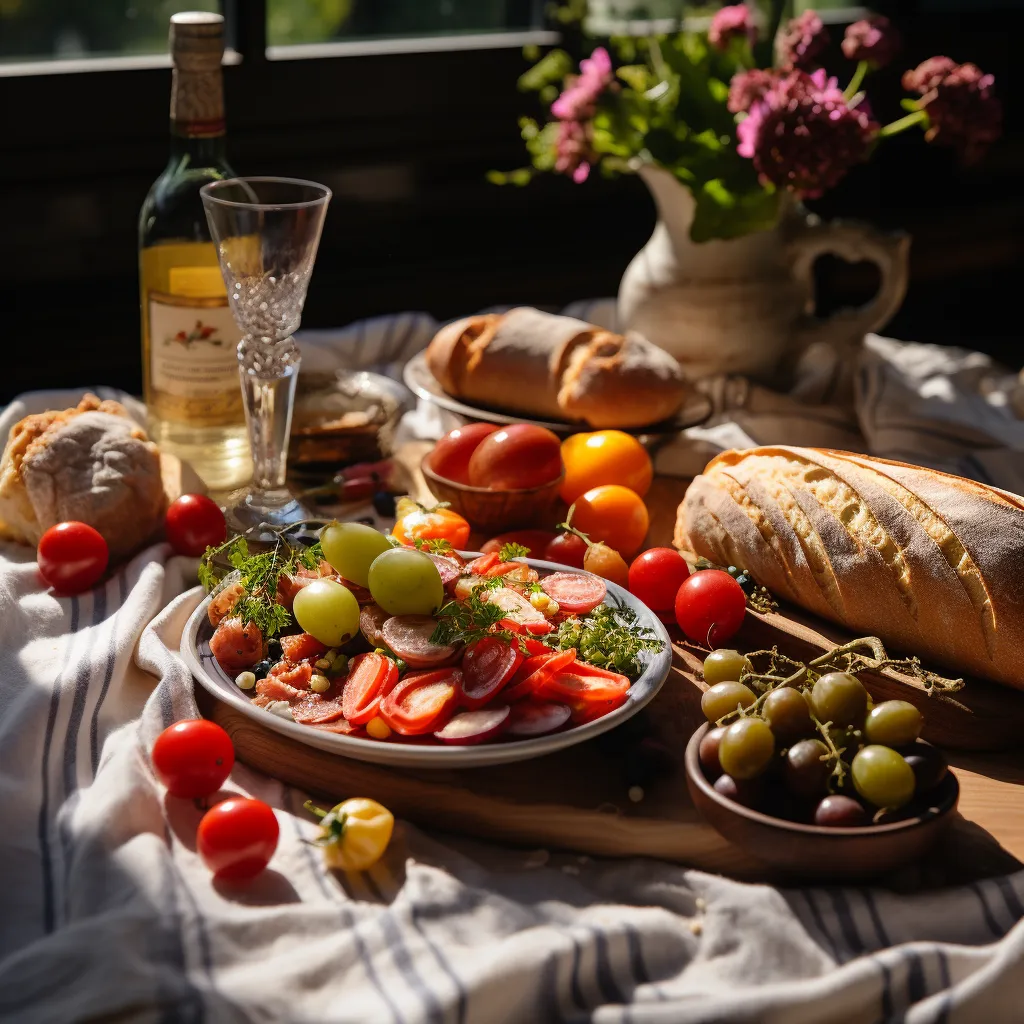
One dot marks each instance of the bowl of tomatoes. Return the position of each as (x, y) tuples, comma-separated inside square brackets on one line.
[(497, 477)]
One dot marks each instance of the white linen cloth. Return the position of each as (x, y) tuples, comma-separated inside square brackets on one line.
[(108, 913)]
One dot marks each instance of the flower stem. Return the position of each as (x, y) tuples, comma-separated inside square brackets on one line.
[(917, 117), (855, 82)]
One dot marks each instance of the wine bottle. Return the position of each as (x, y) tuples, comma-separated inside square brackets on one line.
[(189, 338)]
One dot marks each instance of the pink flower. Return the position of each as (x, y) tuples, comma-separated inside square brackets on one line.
[(730, 23), (573, 152), (578, 100), (802, 134), (874, 39), (802, 41), (962, 109), (747, 87)]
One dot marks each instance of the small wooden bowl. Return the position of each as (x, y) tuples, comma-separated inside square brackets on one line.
[(494, 511), (838, 854)]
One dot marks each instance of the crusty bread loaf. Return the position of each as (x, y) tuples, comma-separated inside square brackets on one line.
[(554, 367), (930, 563)]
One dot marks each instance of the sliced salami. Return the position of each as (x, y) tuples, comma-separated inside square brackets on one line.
[(575, 593), (274, 688), (409, 637), (450, 570), (339, 726), (514, 605), (371, 621), (316, 712)]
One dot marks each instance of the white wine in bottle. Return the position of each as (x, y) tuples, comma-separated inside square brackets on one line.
[(189, 338)]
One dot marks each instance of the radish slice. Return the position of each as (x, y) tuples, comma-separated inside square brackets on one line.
[(409, 637), (474, 726), (532, 719)]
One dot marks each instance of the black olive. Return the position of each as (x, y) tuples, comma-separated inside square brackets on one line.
[(384, 504), (262, 669)]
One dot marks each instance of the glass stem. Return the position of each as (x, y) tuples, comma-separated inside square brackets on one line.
[(268, 374)]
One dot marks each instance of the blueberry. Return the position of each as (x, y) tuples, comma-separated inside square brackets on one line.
[(384, 504)]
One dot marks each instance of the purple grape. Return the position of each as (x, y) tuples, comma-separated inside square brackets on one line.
[(707, 752), (929, 766), (840, 812), (746, 792)]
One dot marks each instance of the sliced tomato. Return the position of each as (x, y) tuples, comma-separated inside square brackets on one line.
[(479, 566), (487, 666), (528, 631), (302, 647), (584, 685), (421, 702), (534, 671), (369, 677), (514, 571)]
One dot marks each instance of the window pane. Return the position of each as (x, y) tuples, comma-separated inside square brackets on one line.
[(41, 29), (318, 21)]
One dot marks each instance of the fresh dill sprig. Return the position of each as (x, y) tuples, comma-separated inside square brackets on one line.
[(309, 558)]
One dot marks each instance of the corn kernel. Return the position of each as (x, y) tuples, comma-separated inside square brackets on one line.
[(544, 604), (319, 683), (246, 680), (323, 664), (378, 729)]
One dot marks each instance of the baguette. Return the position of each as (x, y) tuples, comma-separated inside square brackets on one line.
[(554, 367), (928, 562)]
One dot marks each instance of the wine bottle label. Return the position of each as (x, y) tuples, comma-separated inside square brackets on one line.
[(193, 363)]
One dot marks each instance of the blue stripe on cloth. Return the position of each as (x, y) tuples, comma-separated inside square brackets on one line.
[(847, 925), (917, 987), (80, 694), (1010, 898), (46, 864), (986, 911), (636, 956), (606, 983), (876, 918), (460, 989), (347, 918), (575, 989), (94, 724), (819, 923), (187, 1008)]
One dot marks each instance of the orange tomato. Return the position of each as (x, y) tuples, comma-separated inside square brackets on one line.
[(613, 514), (604, 457), (435, 524)]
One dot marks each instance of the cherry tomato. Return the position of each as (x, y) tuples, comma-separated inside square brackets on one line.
[(710, 606), (451, 455), (422, 702), (437, 524), (516, 457), (536, 540), (193, 758), (237, 838), (567, 549), (613, 514), (604, 457), (195, 523), (656, 576), (72, 556)]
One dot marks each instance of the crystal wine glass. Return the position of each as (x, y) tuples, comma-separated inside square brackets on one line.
[(266, 231)]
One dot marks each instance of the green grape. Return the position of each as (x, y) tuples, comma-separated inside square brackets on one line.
[(351, 547), (328, 611), (786, 711), (720, 699), (406, 582), (893, 723), (882, 777), (725, 666), (839, 698), (806, 774), (746, 748)]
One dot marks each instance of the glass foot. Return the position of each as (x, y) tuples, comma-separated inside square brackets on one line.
[(247, 510)]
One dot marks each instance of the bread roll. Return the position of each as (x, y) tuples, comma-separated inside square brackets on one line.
[(555, 367), (930, 563)]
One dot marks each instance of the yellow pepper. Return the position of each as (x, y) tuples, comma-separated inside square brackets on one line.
[(354, 834)]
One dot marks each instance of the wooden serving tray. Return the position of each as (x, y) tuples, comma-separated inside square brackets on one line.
[(579, 799)]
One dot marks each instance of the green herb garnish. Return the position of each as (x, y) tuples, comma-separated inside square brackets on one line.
[(434, 545), (463, 622), (610, 638), (512, 551)]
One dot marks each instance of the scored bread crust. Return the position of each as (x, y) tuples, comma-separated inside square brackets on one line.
[(928, 562), (556, 367)]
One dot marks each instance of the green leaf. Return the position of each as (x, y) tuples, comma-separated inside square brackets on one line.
[(636, 76), (909, 104), (724, 212), (512, 550), (552, 67)]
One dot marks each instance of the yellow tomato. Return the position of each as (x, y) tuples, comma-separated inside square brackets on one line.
[(613, 514), (355, 834), (602, 560), (604, 457)]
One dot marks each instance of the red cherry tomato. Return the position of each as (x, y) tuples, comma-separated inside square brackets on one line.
[(516, 457), (536, 540), (72, 556), (193, 758), (567, 549), (195, 523), (656, 576), (237, 838), (710, 606), (450, 457)]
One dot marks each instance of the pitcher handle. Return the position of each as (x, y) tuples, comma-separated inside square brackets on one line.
[(854, 241)]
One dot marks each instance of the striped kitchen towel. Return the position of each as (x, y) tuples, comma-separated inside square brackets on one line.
[(107, 912)]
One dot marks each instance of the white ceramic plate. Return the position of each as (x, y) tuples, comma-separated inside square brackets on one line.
[(195, 648), (422, 383)]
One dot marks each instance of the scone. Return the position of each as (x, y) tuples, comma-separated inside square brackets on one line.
[(92, 463)]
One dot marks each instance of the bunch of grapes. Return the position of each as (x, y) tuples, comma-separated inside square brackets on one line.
[(812, 748)]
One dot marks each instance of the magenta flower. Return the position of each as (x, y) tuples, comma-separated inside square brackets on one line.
[(802, 134), (747, 87), (874, 39), (802, 42), (962, 109), (573, 152), (733, 22), (580, 97)]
